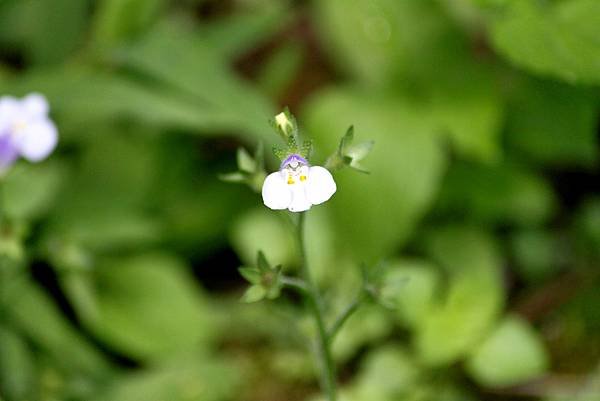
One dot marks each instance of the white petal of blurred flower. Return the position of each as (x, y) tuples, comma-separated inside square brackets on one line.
[(25, 129)]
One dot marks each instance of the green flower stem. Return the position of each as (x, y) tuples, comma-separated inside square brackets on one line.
[(313, 298), (343, 317)]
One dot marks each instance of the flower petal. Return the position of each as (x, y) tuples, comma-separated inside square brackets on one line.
[(300, 202), (275, 192), (8, 152), (35, 105), (37, 140), (10, 108), (320, 185)]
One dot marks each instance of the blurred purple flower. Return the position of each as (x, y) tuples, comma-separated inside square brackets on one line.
[(25, 129)]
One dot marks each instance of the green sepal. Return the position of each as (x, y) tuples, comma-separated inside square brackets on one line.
[(251, 274), (245, 162), (259, 157), (235, 177), (306, 149), (254, 293), (359, 151), (251, 170), (292, 144), (374, 282), (266, 280), (279, 153), (261, 262), (348, 155), (346, 139)]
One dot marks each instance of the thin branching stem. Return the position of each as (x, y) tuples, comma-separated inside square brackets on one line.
[(313, 298), (343, 317)]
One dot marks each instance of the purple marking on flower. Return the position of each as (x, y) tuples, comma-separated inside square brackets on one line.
[(8, 153), (293, 158), (25, 129)]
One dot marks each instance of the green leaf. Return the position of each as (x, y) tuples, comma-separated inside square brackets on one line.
[(29, 190), (235, 34), (196, 377), (117, 21), (17, 378), (388, 372), (66, 20), (473, 299), (374, 40), (251, 274), (188, 64), (254, 293), (557, 39), (512, 354), (104, 204), (261, 229), (497, 194), (538, 254), (473, 120), (39, 319), (280, 69), (411, 286), (375, 213), (81, 96), (587, 228), (553, 124), (149, 308)]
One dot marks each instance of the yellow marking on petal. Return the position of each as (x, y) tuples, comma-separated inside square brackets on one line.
[(290, 181), (302, 178), (19, 125)]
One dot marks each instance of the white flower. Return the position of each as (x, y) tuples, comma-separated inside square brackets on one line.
[(25, 129), (297, 186)]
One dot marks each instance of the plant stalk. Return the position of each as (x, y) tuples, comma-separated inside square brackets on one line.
[(313, 298)]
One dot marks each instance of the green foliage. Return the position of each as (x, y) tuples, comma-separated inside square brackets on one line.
[(146, 307), (557, 39), (208, 380), (376, 382), (482, 198), (411, 286), (363, 202), (259, 230), (348, 154), (265, 280), (117, 21), (16, 365), (66, 19), (497, 194), (30, 191), (191, 66), (512, 354), (554, 124), (473, 298)]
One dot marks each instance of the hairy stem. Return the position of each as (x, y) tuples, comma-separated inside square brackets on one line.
[(313, 298)]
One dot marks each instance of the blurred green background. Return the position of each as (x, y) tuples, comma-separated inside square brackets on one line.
[(120, 252)]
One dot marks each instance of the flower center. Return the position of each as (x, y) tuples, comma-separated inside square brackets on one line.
[(295, 171), (18, 127)]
